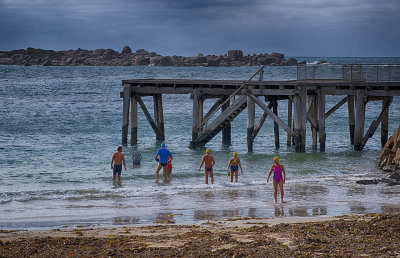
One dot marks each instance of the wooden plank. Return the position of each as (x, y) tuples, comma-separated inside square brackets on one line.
[(125, 113), (312, 121), (260, 123), (359, 120), (226, 131), (310, 111), (321, 119), (374, 125), (228, 83), (377, 93), (350, 108), (215, 126), (234, 93), (272, 115), (257, 92), (134, 121), (270, 92), (385, 121), (212, 109), (148, 116), (336, 107)]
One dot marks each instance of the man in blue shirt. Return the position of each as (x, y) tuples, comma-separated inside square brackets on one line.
[(163, 156)]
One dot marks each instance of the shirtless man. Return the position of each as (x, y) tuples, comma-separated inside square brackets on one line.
[(116, 163), (209, 162)]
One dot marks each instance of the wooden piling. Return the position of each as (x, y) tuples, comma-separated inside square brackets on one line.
[(359, 120), (134, 121), (300, 105), (315, 118), (159, 116), (321, 119), (251, 112), (385, 121), (195, 115), (125, 113), (226, 132), (350, 108), (289, 122), (276, 127)]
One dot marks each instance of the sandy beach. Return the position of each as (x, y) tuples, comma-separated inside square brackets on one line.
[(366, 235)]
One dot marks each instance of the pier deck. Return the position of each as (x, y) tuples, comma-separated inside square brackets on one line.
[(306, 103)]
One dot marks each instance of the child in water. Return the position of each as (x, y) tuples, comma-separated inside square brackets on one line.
[(278, 169), (208, 162), (233, 166)]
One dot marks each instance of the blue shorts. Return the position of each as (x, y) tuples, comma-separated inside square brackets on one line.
[(209, 169), (234, 168), (117, 169), (163, 164), (136, 162)]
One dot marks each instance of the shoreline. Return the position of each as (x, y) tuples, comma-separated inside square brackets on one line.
[(352, 235)]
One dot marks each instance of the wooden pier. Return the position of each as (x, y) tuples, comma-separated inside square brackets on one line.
[(358, 84)]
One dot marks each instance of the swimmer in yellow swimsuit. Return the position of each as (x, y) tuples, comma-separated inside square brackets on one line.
[(233, 166)]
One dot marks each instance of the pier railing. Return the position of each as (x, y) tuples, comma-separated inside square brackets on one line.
[(350, 72)]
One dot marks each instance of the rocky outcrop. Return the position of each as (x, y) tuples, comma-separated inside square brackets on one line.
[(98, 57), (126, 50), (389, 158)]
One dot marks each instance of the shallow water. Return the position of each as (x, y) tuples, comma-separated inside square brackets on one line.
[(60, 126)]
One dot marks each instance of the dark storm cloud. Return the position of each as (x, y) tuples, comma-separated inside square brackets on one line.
[(294, 27)]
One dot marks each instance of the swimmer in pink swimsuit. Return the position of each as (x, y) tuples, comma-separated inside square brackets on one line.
[(278, 169)]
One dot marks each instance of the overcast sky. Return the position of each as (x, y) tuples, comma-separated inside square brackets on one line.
[(189, 27)]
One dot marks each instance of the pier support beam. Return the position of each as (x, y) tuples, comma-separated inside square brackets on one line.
[(276, 127), (314, 115), (321, 119), (289, 122), (350, 107), (196, 120), (134, 121), (385, 121), (359, 120), (125, 112), (251, 113), (300, 106), (159, 116), (226, 132)]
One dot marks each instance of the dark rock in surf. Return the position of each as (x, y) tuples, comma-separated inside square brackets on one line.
[(367, 182)]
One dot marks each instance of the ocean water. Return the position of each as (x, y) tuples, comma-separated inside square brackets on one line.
[(60, 126)]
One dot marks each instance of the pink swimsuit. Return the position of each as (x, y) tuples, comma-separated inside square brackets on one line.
[(277, 173)]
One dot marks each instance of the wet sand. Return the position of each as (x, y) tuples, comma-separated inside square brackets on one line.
[(367, 235)]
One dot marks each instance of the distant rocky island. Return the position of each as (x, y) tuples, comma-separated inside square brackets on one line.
[(110, 57)]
